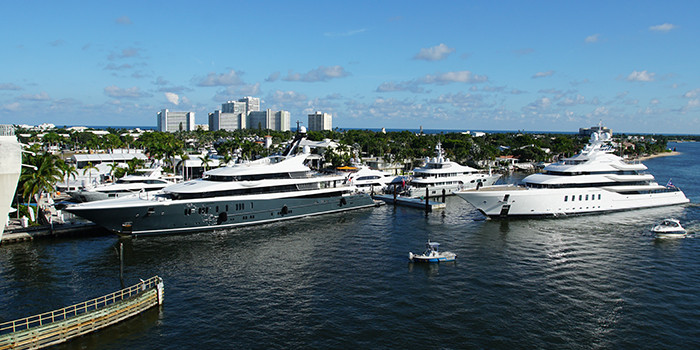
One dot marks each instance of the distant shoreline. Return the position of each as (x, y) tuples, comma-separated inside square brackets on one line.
[(664, 154)]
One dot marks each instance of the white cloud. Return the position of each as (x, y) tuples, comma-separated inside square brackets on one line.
[(348, 33), (231, 92), (224, 79), (132, 92), (321, 73), (123, 20), (172, 98), (453, 77), (12, 107), (548, 73), (273, 77), (125, 53), (692, 93), (666, 27), (539, 105), (592, 38), (42, 96), (435, 53), (401, 86), (438, 79), (9, 86), (641, 76)]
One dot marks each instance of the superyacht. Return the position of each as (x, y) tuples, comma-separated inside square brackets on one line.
[(270, 189), (593, 181), (440, 174), (145, 181), (10, 169)]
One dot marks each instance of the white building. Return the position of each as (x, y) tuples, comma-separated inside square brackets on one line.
[(252, 104), (227, 121), (175, 121), (320, 121), (278, 121)]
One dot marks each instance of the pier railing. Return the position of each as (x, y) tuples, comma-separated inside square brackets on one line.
[(63, 324)]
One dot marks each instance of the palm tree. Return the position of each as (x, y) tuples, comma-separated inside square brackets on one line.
[(67, 171), (205, 161), (41, 178), (228, 157), (134, 164), (88, 170), (112, 168)]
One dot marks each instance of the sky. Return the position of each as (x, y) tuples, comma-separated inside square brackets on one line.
[(457, 65)]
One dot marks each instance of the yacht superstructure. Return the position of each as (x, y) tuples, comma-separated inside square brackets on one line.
[(595, 180), (440, 173), (369, 180), (148, 180), (269, 189), (10, 169)]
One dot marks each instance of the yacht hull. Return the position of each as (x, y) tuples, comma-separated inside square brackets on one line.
[(512, 201), (11, 161), (146, 217)]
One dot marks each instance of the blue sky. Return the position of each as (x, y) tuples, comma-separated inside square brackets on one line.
[(462, 65)]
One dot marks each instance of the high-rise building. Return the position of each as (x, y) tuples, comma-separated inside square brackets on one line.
[(278, 121), (252, 104), (226, 121), (320, 121), (175, 121)]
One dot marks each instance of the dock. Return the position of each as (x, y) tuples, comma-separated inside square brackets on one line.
[(62, 325), (16, 233), (410, 202)]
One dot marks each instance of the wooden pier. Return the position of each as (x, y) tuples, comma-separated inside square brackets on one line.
[(61, 325)]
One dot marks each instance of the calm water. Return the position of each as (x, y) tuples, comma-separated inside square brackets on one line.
[(343, 281)]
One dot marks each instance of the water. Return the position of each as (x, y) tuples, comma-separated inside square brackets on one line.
[(343, 281)]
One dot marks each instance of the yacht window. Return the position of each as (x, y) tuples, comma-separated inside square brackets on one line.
[(598, 196), (580, 197), (566, 198), (573, 198), (586, 197)]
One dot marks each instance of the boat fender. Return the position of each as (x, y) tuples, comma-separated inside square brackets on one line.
[(284, 210), (343, 201)]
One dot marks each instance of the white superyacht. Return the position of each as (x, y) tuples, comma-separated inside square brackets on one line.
[(593, 181), (266, 190), (146, 181), (10, 169), (440, 173)]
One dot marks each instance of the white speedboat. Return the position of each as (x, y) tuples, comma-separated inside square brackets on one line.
[(147, 180), (369, 180), (10, 169), (270, 189), (432, 254), (440, 174), (669, 228), (593, 181)]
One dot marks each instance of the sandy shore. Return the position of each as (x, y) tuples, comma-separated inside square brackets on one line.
[(665, 154)]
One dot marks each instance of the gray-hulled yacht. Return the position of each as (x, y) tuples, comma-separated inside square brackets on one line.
[(269, 189)]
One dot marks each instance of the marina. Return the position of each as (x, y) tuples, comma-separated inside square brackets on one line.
[(600, 281)]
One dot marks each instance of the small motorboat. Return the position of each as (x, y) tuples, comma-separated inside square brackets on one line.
[(669, 228), (432, 254)]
